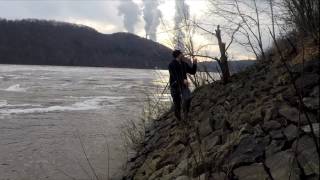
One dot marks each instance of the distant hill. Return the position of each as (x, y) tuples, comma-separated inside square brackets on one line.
[(234, 65), (43, 42)]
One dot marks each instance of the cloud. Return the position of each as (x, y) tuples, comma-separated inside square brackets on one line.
[(92, 13)]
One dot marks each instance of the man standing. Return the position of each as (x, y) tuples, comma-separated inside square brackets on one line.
[(180, 91)]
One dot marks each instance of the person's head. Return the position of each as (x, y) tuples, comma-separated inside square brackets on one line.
[(177, 54)]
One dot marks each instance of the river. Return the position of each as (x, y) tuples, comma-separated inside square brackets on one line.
[(52, 117)]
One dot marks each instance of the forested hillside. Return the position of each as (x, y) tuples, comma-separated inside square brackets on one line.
[(57, 43)]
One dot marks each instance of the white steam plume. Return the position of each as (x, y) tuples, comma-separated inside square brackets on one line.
[(130, 12), (151, 15), (182, 13)]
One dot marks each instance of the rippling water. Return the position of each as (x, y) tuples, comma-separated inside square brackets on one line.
[(46, 112)]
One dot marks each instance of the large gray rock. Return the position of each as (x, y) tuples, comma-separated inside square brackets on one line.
[(218, 117), (283, 166), (248, 151), (307, 155), (278, 90), (315, 126), (203, 176), (253, 172), (219, 176), (211, 140), (205, 127), (156, 175), (307, 81), (291, 132), (258, 132), (183, 178), (271, 125), (270, 113), (244, 117), (315, 92), (246, 129), (166, 160), (311, 102), (274, 147), (276, 134), (292, 114), (256, 117), (218, 121), (181, 169)]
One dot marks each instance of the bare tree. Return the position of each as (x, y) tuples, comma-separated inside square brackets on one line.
[(246, 15), (223, 60), (304, 16)]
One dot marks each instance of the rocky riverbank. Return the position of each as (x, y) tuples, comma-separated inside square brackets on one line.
[(249, 129)]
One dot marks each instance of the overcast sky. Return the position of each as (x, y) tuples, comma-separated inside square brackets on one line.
[(103, 15), (100, 14)]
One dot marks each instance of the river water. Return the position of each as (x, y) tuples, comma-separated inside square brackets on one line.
[(51, 116)]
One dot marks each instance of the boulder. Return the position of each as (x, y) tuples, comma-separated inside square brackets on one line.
[(166, 160), (248, 151), (290, 96), (256, 117), (291, 132), (307, 129), (307, 155), (203, 176), (311, 102), (218, 121), (181, 169), (274, 147), (271, 125), (276, 134), (244, 117), (204, 127), (156, 175), (278, 90), (270, 113), (314, 177), (183, 178), (201, 168), (253, 172), (211, 140), (292, 114), (307, 81), (246, 129), (315, 92), (219, 176), (258, 132), (283, 166), (146, 169)]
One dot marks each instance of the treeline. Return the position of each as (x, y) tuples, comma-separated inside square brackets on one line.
[(234, 66), (43, 42)]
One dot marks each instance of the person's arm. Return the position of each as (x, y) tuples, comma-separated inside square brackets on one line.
[(192, 70)]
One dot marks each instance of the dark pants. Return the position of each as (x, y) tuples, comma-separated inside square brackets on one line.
[(181, 98)]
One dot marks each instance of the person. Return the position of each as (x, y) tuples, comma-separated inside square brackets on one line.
[(179, 86)]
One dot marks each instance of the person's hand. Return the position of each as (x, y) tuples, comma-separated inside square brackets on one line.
[(195, 60), (185, 82), (184, 59)]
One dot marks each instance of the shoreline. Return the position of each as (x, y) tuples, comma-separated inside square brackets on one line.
[(248, 128)]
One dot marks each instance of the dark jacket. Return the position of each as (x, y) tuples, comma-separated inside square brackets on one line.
[(178, 72)]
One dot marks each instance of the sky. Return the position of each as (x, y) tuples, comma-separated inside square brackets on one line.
[(106, 17)]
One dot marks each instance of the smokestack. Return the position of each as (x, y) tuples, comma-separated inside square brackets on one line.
[(182, 13), (130, 12), (151, 15)]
